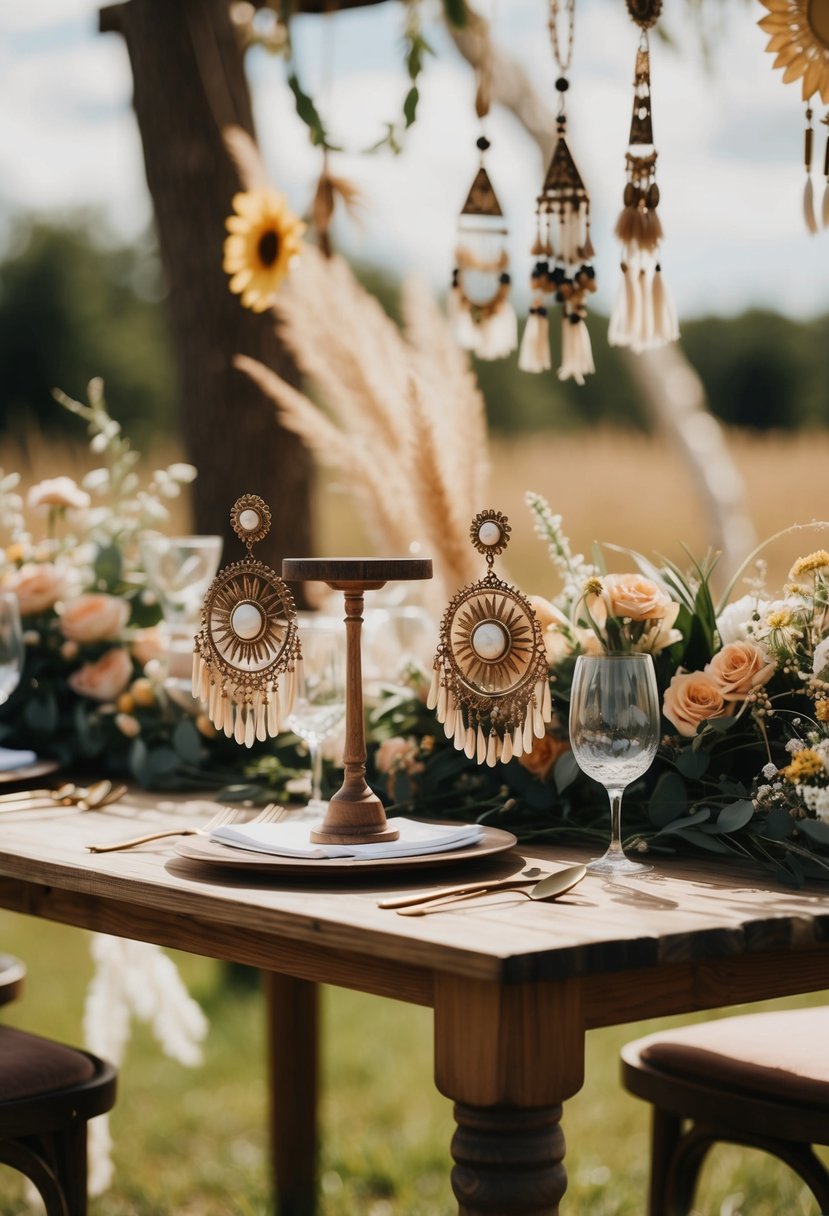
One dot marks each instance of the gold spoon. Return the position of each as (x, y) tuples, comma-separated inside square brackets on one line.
[(547, 889), (100, 793)]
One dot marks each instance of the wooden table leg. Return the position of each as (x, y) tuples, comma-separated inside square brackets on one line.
[(292, 1007), (509, 1056)]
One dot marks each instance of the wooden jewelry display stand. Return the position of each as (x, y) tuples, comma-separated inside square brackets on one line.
[(355, 815)]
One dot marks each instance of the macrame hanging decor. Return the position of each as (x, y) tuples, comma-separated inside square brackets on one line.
[(799, 38), (643, 316), (483, 318), (247, 651), (490, 686), (563, 272)]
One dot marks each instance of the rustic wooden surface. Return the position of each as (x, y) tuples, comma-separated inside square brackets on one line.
[(514, 984)]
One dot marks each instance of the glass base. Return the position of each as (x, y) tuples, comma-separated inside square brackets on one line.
[(617, 864)]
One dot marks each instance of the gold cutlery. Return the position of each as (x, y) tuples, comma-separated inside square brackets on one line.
[(526, 878), (548, 888), (228, 814), (99, 794)]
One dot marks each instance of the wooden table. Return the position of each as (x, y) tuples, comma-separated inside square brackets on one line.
[(514, 985)]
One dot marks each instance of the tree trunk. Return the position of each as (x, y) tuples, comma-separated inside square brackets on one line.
[(189, 84)]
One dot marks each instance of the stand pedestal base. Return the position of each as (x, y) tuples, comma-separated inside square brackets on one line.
[(354, 821)]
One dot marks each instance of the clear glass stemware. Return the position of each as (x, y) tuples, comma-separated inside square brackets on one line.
[(614, 733), (319, 708), (11, 646)]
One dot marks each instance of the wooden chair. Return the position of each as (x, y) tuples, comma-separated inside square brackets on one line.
[(761, 1081), (48, 1094)]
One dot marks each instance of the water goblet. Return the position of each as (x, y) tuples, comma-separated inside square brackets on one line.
[(319, 708), (11, 646), (614, 733)]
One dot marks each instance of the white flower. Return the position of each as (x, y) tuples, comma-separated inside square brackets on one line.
[(794, 746), (181, 472), (97, 479), (821, 657), (734, 620), (58, 492), (769, 771), (815, 799)]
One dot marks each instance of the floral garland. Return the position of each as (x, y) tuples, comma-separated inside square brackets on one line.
[(743, 767)]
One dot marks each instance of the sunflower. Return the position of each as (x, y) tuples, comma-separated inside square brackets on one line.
[(264, 236), (799, 32)]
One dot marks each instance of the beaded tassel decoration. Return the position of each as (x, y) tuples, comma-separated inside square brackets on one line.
[(490, 685), (799, 38), (248, 639), (643, 316), (563, 249), (483, 318)]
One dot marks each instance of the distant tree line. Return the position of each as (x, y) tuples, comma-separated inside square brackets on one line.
[(73, 307)]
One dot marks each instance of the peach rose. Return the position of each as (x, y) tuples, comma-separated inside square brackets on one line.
[(543, 755), (148, 644), (739, 667), (36, 587), (94, 618), (637, 597), (693, 697), (58, 492), (104, 679)]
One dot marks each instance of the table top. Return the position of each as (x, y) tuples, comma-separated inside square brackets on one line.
[(683, 911)]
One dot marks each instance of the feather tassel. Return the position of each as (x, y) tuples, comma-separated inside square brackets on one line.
[(534, 355), (809, 206)]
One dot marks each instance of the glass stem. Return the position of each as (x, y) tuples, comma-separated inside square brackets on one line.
[(315, 753), (615, 849)]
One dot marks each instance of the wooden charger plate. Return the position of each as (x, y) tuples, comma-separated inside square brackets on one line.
[(29, 772), (493, 841)]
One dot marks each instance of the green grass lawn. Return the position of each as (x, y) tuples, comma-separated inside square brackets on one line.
[(191, 1141)]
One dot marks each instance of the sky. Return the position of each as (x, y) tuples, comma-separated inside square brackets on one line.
[(729, 138)]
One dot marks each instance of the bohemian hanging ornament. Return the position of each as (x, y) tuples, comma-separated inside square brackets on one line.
[(799, 37), (643, 317), (490, 685), (248, 639), (563, 250), (483, 318)]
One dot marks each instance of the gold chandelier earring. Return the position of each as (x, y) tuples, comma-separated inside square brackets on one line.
[(490, 686), (247, 651)]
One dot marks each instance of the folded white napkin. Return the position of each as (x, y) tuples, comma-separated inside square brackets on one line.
[(11, 759), (286, 839)]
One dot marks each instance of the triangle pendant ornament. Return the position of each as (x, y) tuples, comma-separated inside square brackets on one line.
[(563, 250), (490, 685), (247, 653), (481, 312)]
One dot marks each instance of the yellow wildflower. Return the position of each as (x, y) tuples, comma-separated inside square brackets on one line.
[(264, 238), (804, 764), (822, 710), (15, 553), (819, 560), (779, 619), (593, 586)]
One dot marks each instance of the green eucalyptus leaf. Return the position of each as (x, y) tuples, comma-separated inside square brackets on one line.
[(710, 843), (410, 106), (41, 713), (779, 824), (137, 760), (108, 567), (160, 761), (692, 763), (565, 772), (721, 725), (187, 742), (456, 13), (669, 799), (815, 830), (735, 816), (693, 820)]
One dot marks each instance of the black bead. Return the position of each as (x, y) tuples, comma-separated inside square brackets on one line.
[(574, 318), (589, 271), (482, 143), (562, 84), (559, 298), (558, 275), (505, 278)]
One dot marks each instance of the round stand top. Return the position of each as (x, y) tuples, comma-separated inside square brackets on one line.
[(373, 571)]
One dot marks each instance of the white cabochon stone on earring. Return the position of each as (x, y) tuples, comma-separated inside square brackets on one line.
[(249, 519), (490, 641), (489, 533), (247, 620)]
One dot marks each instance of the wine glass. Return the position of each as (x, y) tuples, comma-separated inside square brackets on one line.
[(319, 707), (11, 646), (614, 733)]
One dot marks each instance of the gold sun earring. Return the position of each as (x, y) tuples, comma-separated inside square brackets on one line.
[(248, 639), (490, 686)]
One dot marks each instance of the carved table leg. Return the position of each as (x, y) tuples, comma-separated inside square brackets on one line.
[(292, 1031), (508, 1055)]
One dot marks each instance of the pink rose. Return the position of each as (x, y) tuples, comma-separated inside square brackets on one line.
[(36, 587), (148, 644), (94, 618), (693, 697), (104, 679), (58, 492), (637, 597), (739, 667)]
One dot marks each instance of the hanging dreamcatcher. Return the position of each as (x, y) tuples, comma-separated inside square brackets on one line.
[(490, 686), (643, 317), (483, 318), (248, 639), (563, 270), (799, 32)]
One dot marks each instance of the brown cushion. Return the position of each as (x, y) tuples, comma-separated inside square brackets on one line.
[(780, 1056), (30, 1065)]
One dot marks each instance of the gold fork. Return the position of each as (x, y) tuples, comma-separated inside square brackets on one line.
[(228, 814)]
